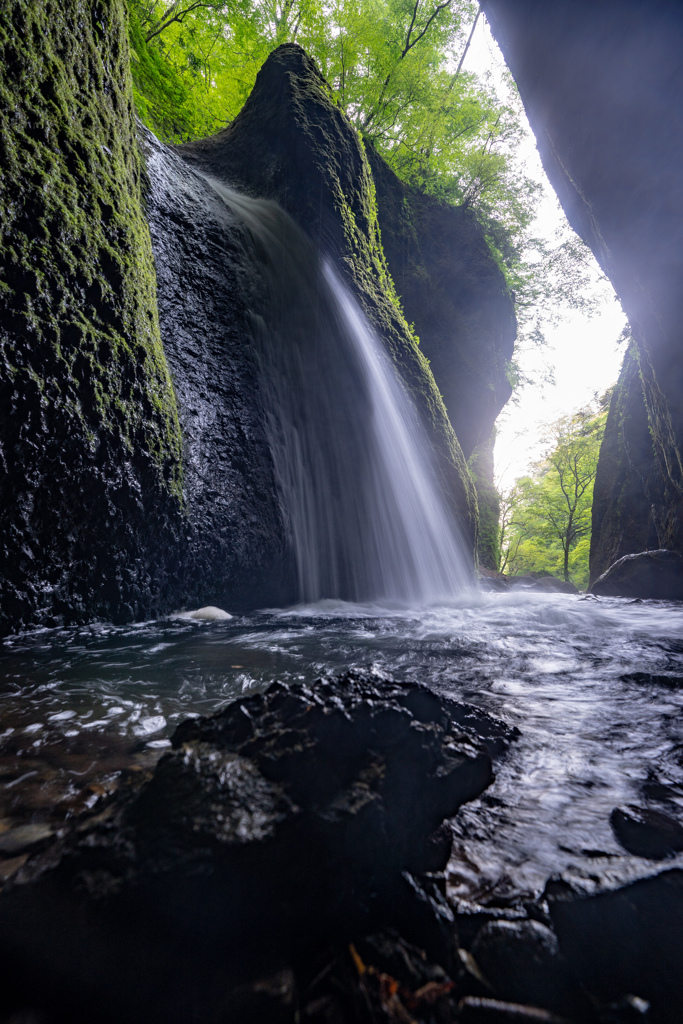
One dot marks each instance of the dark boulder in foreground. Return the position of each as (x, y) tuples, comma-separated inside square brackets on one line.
[(647, 833), (626, 946), (282, 864), (288, 823), (649, 574)]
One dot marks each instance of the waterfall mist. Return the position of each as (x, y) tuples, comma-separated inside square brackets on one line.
[(353, 462)]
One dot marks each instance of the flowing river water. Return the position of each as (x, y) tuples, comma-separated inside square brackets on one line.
[(595, 687)]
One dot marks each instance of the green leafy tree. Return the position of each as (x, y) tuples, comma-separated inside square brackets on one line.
[(398, 69), (546, 517)]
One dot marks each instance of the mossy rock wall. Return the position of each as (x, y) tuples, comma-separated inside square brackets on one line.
[(454, 293), (602, 86), (235, 550), (292, 144), (90, 445)]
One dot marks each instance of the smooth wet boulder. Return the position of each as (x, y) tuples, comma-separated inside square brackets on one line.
[(647, 833), (292, 821), (626, 946), (648, 574), (671, 680), (522, 962)]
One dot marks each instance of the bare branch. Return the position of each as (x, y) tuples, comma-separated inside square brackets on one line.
[(172, 14), (437, 10), (464, 52)]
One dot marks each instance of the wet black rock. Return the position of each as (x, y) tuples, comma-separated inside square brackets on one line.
[(522, 962), (647, 833), (235, 552), (626, 946), (650, 574), (292, 821), (669, 680)]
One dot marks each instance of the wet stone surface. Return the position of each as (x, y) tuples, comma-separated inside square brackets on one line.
[(289, 822)]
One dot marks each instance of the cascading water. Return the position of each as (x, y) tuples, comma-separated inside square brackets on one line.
[(353, 462)]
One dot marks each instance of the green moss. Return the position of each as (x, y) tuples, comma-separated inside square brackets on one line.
[(369, 272), (78, 290)]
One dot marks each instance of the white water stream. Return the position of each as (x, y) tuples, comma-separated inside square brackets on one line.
[(353, 462)]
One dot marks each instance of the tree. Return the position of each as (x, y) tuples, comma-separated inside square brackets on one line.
[(398, 69), (547, 515)]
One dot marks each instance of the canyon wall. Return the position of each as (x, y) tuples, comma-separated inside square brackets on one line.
[(291, 143), (91, 493), (136, 474), (602, 87)]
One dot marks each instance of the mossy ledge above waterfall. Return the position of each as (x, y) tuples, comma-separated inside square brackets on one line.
[(455, 294), (91, 448), (292, 144)]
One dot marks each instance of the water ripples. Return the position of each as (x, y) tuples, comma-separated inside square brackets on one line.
[(592, 685)]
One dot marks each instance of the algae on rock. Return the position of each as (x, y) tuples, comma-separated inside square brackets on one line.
[(90, 440)]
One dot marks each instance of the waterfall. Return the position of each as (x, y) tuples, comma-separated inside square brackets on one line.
[(353, 462)]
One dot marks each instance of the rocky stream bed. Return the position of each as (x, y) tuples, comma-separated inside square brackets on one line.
[(479, 822)]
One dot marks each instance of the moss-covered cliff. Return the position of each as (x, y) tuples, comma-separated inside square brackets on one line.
[(292, 144), (454, 293), (90, 443), (108, 509)]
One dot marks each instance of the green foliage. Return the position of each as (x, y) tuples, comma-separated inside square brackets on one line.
[(395, 69), (546, 517)]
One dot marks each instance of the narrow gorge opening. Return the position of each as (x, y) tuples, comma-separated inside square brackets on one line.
[(269, 752)]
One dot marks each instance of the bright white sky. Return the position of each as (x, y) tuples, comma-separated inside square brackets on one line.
[(582, 351)]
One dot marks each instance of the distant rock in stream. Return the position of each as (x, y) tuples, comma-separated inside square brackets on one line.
[(647, 833), (540, 582), (648, 574)]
